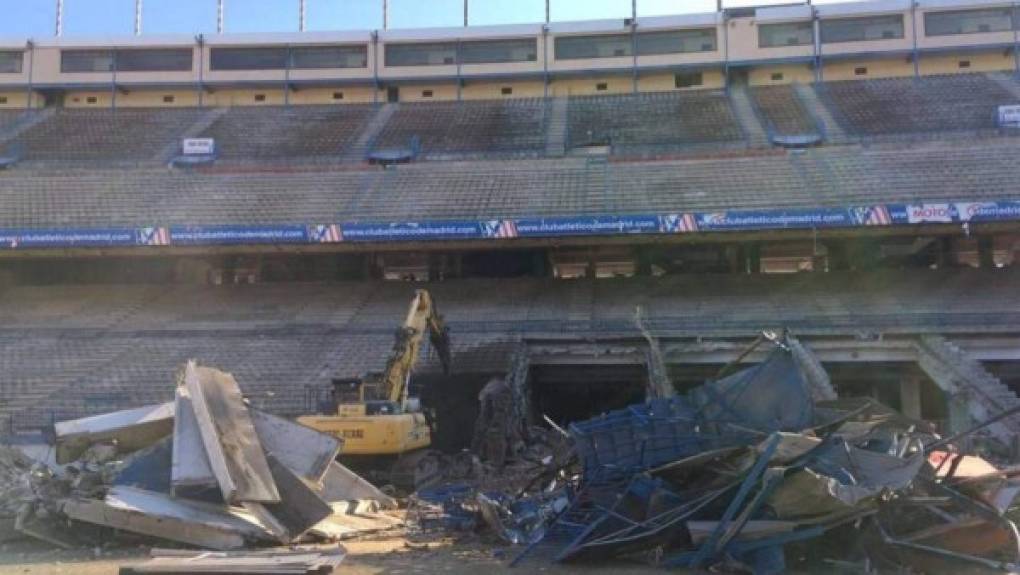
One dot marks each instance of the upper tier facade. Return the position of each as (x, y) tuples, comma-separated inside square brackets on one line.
[(773, 45)]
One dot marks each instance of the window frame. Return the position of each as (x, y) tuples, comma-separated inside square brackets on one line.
[(437, 47), (17, 58), (810, 24), (824, 22), (939, 13)]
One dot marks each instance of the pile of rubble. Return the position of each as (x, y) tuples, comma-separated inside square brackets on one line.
[(758, 468), (205, 471)]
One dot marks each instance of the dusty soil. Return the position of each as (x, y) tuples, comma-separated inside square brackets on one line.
[(390, 555)]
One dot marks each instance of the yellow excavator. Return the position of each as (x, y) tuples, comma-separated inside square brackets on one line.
[(386, 435)]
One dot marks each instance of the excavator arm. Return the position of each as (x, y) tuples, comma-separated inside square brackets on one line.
[(422, 317)]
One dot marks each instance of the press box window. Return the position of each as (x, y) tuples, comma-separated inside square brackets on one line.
[(498, 51), (676, 42), (786, 34), (248, 59), (602, 46), (11, 62), (328, 57), (968, 21), (688, 79), (170, 60), (862, 29), (80, 61), (433, 54)]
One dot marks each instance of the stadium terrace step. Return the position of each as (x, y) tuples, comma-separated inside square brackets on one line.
[(783, 112), (750, 122), (358, 151), (928, 105), (970, 387), (816, 108), (288, 134), (556, 131), (469, 129)]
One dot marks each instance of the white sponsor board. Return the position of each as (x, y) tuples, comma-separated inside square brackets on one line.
[(1009, 116), (929, 213), (198, 146)]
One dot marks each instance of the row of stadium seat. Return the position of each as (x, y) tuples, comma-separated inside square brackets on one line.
[(642, 124), (838, 176), (302, 335)]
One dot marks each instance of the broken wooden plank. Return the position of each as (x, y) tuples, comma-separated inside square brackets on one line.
[(190, 473), (303, 450), (342, 484), (228, 434), (130, 430), (158, 515)]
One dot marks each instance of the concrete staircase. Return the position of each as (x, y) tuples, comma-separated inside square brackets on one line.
[(1008, 82), (749, 120), (24, 124), (834, 133), (358, 151), (975, 395), (556, 128)]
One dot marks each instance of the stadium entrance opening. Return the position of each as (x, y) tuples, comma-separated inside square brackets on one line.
[(568, 393), (392, 94)]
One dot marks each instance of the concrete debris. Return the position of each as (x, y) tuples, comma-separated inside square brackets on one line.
[(128, 430), (203, 470), (228, 434), (297, 561), (755, 468)]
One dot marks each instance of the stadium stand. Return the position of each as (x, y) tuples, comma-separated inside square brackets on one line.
[(782, 110), (505, 128), (653, 122), (60, 363), (291, 134), (106, 137), (965, 102), (834, 176)]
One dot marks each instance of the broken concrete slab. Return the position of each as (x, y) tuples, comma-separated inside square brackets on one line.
[(235, 453), (148, 469), (300, 507), (296, 561), (158, 515), (341, 484), (130, 430), (190, 474), (305, 451)]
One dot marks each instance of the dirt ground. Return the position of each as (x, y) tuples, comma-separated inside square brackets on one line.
[(390, 555)]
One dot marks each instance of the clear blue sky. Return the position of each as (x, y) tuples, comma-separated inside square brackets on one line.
[(92, 17)]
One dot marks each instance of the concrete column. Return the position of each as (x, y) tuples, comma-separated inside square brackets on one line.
[(986, 257), (910, 395)]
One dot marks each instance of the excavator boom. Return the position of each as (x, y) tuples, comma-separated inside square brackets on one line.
[(422, 317)]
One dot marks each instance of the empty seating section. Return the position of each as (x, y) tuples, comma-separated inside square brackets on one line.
[(8, 117), (837, 176), (652, 120), (53, 364), (782, 111), (474, 128), (293, 133), (106, 136), (906, 105)]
